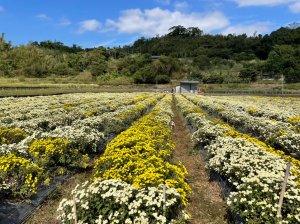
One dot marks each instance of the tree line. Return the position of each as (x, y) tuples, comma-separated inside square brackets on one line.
[(181, 53), (274, 54)]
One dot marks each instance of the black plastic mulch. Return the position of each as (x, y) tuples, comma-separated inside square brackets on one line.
[(15, 213)]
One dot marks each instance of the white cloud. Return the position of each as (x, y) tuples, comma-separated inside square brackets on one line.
[(64, 22), (43, 16), (157, 21), (249, 29), (243, 3), (295, 7), (88, 26)]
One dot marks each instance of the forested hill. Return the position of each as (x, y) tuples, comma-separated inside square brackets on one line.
[(192, 42), (274, 54), (183, 53)]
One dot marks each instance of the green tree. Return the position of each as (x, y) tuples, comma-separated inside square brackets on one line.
[(248, 74), (179, 30), (145, 75), (281, 59), (202, 62)]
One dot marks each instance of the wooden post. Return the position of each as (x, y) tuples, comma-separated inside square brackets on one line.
[(282, 83), (287, 171), (75, 212), (164, 199)]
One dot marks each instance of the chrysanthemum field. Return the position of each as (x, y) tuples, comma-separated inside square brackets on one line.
[(126, 140)]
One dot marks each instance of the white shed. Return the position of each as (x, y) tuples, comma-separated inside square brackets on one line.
[(187, 87)]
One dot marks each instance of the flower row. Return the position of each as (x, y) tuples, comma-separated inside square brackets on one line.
[(49, 112), (87, 134), (55, 151), (254, 170), (276, 133), (135, 164), (114, 201), (278, 108)]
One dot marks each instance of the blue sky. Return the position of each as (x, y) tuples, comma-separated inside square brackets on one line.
[(91, 23)]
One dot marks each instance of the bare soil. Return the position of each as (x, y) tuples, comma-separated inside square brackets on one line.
[(205, 202)]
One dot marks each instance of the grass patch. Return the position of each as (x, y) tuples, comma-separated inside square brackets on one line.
[(84, 82), (253, 88), (33, 91), (84, 77), (295, 86), (120, 80), (64, 89)]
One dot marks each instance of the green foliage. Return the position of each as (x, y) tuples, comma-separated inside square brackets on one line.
[(166, 65), (284, 60), (145, 75), (162, 79), (114, 78), (50, 58), (156, 71), (201, 62), (98, 69), (184, 32), (11, 135), (248, 74), (182, 53), (58, 46), (293, 74), (4, 46), (213, 78), (195, 75)]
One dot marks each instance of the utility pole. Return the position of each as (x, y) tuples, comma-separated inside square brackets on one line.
[(282, 78)]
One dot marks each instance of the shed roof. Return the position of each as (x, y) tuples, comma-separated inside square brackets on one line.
[(189, 82), (155, 57)]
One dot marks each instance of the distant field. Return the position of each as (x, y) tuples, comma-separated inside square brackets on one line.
[(253, 88), (50, 86), (36, 91), (47, 86)]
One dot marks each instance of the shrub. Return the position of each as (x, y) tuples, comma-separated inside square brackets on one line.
[(11, 135), (162, 79)]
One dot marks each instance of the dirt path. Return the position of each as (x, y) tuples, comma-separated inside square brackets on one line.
[(206, 204)]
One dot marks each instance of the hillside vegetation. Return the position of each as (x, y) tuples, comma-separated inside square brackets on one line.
[(183, 53)]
